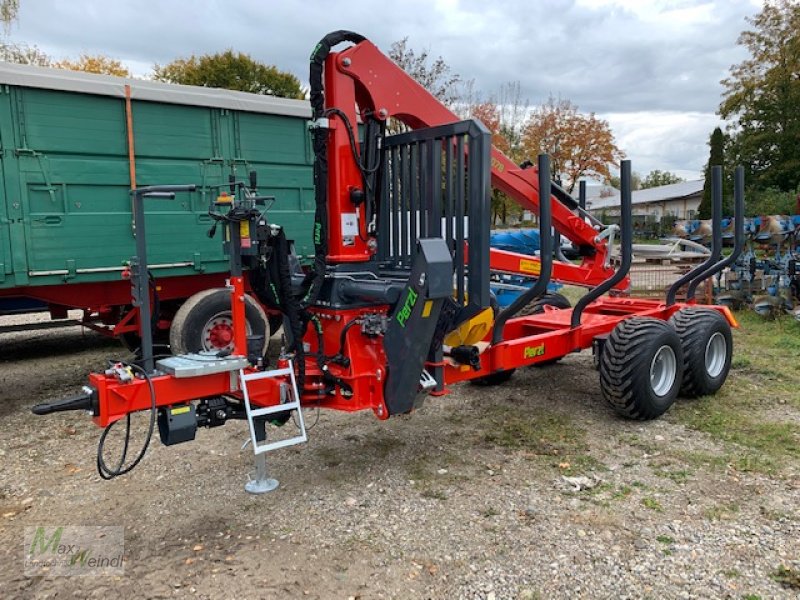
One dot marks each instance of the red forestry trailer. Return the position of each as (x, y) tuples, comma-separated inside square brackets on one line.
[(397, 305)]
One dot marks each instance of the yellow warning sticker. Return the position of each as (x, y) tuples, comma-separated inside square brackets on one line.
[(427, 308), (244, 229), (534, 267), (179, 410)]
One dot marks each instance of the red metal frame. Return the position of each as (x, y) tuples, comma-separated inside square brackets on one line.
[(361, 76)]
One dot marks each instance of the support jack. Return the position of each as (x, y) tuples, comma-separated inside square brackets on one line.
[(260, 482)]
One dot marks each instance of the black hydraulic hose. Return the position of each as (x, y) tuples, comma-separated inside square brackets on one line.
[(626, 244), (103, 469), (343, 335), (313, 282), (290, 306)]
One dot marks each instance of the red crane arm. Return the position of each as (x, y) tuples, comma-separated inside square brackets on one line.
[(363, 75)]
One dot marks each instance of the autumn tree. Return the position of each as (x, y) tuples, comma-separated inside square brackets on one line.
[(656, 178), (94, 64), (230, 70), (434, 75), (490, 115), (579, 145), (762, 95)]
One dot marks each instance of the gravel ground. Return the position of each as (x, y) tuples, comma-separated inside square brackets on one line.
[(528, 490)]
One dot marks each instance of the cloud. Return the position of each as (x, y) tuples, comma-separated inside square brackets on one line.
[(622, 59), (665, 140)]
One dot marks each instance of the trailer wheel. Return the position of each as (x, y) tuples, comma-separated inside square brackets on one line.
[(204, 322), (641, 368), (707, 346), (553, 299), (536, 307)]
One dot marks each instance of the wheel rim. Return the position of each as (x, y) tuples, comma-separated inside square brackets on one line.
[(663, 369), (716, 354), (218, 332)]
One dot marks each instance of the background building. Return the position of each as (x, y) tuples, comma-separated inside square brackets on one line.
[(667, 202)]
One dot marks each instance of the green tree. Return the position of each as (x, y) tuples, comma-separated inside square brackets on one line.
[(434, 75), (230, 70), (762, 95), (636, 181), (658, 178), (771, 201), (716, 157)]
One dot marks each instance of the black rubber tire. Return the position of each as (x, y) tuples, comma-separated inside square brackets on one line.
[(695, 328), (626, 363), (494, 379), (536, 307), (186, 330), (275, 323)]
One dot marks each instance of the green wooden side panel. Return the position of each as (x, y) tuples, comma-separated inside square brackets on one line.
[(5, 242), (65, 165), (279, 150)]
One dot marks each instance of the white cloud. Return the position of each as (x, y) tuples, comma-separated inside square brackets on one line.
[(641, 63), (665, 140)]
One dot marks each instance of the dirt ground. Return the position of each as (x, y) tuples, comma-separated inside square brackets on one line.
[(529, 490)]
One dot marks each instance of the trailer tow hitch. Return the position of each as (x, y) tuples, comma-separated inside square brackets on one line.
[(86, 400)]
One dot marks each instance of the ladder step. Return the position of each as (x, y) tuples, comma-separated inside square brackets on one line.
[(268, 447), (269, 410), (267, 374)]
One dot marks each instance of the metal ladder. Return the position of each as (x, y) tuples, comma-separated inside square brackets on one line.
[(262, 483)]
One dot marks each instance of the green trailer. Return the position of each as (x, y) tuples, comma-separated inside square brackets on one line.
[(74, 144)]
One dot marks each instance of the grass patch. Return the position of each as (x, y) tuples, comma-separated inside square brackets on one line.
[(538, 432), (763, 376), (787, 577), (763, 352), (665, 539), (739, 459), (719, 512), (622, 492), (732, 573), (580, 464), (761, 445), (678, 476), (652, 504)]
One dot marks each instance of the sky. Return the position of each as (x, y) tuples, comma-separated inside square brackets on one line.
[(652, 68)]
